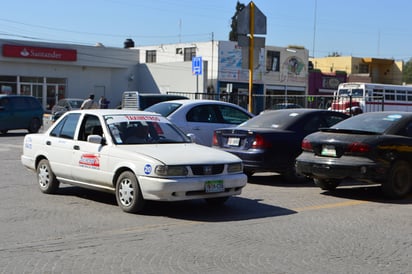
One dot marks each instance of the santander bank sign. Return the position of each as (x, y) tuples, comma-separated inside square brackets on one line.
[(39, 53)]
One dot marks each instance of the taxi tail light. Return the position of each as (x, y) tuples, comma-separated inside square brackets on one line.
[(260, 142), (357, 147), (306, 145)]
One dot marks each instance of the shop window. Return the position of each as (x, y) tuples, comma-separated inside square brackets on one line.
[(150, 56)]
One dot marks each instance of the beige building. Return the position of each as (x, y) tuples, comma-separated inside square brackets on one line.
[(362, 69)]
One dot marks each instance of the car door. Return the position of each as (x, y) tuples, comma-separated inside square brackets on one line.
[(5, 109), (20, 113), (90, 159), (60, 146)]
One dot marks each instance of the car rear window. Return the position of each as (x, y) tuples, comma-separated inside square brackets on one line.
[(378, 122), (272, 119), (164, 109)]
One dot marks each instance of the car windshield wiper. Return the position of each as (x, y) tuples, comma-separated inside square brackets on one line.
[(352, 131)]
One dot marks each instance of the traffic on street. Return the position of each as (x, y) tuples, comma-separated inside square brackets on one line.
[(273, 226)]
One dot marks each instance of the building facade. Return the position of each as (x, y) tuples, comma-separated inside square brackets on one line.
[(362, 69), (52, 71), (276, 71)]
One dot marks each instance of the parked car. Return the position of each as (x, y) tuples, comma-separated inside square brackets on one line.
[(104, 149), (201, 117), (373, 147), (63, 105), (271, 141), (20, 112)]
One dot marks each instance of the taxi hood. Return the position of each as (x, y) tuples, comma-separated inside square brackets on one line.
[(183, 154)]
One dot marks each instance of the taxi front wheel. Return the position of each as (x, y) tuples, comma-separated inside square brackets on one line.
[(128, 194)]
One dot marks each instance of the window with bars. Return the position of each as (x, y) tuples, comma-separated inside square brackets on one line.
[(272, 60), (189, 53)]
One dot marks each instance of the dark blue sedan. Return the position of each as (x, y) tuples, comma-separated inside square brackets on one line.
[(272, 140)]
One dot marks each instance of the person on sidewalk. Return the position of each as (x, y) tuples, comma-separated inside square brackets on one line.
[(89, 103)]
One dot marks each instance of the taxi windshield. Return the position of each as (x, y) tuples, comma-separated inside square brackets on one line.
[(143, 129)]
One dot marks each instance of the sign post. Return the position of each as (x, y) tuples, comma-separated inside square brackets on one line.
[(197, 67), (251, 21)]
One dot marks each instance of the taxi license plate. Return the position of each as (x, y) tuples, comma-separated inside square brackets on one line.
[(328, 150), (233, 141), (214, 186)]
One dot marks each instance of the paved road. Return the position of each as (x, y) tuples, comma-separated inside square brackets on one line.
[(273, 227)]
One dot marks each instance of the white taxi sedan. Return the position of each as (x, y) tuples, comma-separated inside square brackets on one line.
[(136, 155)]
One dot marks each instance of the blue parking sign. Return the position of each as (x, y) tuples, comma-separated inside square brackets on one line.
[(197, 65)]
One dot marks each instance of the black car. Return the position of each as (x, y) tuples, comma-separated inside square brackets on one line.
[(374, 147), (272, 140)]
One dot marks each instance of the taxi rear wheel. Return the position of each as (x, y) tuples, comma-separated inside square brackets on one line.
[(128, 194), (46, 178), (399, 182)]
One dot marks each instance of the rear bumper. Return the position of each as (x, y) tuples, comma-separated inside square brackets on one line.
[(357, 168)]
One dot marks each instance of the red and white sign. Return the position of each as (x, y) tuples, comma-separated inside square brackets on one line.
[(39, 53)]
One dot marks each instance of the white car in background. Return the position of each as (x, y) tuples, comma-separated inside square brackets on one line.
[(201, 117), (133, 155)]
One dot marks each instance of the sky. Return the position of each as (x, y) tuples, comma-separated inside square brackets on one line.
[(359, 28)]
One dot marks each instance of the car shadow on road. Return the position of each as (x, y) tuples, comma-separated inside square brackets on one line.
[(13, 134), (369, 193), (236, 208), (273, 179)]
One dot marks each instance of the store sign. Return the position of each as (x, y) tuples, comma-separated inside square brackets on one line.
[(39, 53)]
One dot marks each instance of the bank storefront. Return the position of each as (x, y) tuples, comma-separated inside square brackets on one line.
[(50, 72)]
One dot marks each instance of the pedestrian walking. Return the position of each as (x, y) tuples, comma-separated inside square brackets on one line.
[(89, 103), (103, 102)]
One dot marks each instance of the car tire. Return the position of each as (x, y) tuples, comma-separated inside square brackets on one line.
[(47, 180), (249, 173), (327, 184), (34, 125), (128, 194), (399, 182), (219, 201)]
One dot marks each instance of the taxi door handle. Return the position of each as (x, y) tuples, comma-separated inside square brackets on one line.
[(76, 147), (48, 143)]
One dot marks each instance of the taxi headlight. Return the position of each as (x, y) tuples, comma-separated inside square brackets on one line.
[(171, 170), (235, 168)]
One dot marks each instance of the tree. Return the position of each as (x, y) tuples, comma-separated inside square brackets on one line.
[(233, 35), (407, 72)]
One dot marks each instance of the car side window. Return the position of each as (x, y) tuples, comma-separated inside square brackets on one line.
[(333, 119), (408, 130), (21, 103), (231, 115), (90, 126), (66, 127), (203, 114), (4, 102), (313, 124)]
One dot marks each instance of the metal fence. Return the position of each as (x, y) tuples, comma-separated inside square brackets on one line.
[(264, 102)]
